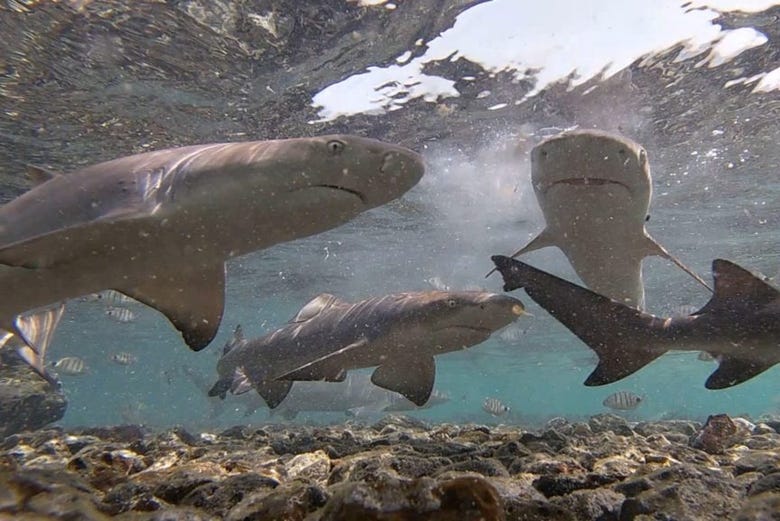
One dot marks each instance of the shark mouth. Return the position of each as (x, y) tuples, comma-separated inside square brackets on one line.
[(343, 189), (584, 181)]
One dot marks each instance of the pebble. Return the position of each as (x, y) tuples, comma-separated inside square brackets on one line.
[(397, 469)]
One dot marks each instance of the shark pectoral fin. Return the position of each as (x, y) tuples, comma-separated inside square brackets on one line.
[(36, 330), (543, 240), (192, 301), (329, 367), (5, 338), (735, 370), (413, 380), (654, 248), (37, 363)]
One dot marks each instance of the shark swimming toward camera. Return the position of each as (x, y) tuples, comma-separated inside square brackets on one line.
[(594, 190), (739, 326), (159, 226), (400, 333)]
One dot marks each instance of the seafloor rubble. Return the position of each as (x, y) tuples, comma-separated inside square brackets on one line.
[(399, 469)]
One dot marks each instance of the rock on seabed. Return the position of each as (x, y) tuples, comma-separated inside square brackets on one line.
[(396, 470)]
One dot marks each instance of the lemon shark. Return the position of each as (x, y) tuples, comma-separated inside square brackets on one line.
[(399, 334), (159, 226), (739, 326), (594, 189)]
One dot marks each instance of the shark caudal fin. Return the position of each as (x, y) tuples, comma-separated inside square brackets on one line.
[(739, 292), (623, 337)]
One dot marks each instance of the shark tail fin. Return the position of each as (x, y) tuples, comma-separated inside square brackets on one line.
[(623, 337), (36, 331)]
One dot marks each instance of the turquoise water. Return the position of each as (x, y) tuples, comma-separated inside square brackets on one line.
[(440, 229), (716, 189)]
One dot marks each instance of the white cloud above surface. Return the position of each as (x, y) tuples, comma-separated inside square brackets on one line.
[(548, 42)]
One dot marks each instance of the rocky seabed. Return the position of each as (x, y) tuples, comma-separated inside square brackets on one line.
[(399, 469)]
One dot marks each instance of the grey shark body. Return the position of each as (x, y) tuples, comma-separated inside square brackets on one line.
[(739, 326), (159, 226), (594, 190), (399, 333)]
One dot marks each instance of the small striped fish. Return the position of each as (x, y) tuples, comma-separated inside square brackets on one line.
[(494, 407), (110, 297), (70, 366), (622, 401), (123, 358), (120, 314)]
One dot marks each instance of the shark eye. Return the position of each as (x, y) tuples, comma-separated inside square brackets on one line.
[(335, 147), (451, 303)]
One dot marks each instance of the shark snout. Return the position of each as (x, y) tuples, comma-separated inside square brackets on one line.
[(400, 169), (503, 303)]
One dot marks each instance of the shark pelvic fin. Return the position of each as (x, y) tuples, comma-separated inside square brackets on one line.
[(192, 301), (654, 248), (413, 380), (621, 336)]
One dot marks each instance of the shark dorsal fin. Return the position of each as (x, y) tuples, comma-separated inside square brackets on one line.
[(39, 175), (314, 307), (737, 287)]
